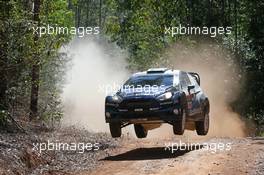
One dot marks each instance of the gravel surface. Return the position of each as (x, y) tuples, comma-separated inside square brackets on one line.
[(20, 153), (105, 155)]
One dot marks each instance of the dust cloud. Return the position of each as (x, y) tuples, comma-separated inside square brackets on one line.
[(97, 67), (97, 63), (220, 80)]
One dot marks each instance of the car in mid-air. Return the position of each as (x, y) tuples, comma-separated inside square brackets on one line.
[(159, 95)]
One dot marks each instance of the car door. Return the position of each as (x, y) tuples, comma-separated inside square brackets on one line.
[(185, 82), (196, 95)]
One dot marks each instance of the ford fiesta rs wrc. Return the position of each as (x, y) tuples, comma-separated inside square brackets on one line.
[(148, 99)]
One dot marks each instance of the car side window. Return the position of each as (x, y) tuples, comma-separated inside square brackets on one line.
[(184, 80), (188, 82), (195, 83)]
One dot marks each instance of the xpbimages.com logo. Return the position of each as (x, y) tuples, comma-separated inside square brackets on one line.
[(145, 89), (80, 147), (57, 30), (211, 147), (192, 30)]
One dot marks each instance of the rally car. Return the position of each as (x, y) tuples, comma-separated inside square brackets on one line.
[(159, 95)]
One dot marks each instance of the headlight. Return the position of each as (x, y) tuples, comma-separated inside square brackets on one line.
[(165, 96), (117, 98)]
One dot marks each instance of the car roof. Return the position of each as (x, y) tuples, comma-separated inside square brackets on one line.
[(157, 71)]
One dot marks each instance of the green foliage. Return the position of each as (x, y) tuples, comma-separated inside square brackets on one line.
[(135, 25), (19, 48), (138, 26), (248, 47)]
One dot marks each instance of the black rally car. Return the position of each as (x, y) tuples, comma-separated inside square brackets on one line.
[(156, 96)]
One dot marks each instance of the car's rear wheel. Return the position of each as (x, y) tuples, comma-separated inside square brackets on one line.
[(140, 131), (115, 129), (179, 125), (202, 127)]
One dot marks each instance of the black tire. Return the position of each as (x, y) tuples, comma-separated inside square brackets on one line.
[(140, 131), (202, 127), (115, 129), (179, 126)]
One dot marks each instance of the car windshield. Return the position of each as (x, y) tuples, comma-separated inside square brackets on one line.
[(150, 80)]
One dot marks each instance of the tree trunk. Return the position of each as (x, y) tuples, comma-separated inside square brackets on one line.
[(87, 13), (35, 68), (223, 21), (3, 77), (78, 13), (209, 14), (235, 9), (4, 59), (100, 13)]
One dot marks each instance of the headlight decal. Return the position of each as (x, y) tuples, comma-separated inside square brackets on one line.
[(116, 98), (165, 96)]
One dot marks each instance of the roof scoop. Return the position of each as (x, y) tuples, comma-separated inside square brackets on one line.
[(157, 70)]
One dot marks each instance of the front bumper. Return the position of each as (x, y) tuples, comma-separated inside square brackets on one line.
[(166, 112)]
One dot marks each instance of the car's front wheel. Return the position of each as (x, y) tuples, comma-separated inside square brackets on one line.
[(179, 126), (202, 127), (140, 131), (115, 129)]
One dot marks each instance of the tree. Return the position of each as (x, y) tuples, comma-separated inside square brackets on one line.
[(35, 66), (25, 56)]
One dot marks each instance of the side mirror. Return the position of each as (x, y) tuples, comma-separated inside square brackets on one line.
[(190, 87), (196, 76), (198, 81)]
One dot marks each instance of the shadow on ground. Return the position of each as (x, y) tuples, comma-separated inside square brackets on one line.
[(152, 153)]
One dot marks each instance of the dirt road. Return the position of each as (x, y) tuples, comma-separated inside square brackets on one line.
[(130, 156), (150, 156)]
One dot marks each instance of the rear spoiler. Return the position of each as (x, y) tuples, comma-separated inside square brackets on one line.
[(196, 76)]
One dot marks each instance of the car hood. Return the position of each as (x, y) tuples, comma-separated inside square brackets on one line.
[(136, 92)]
